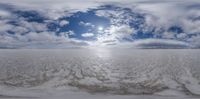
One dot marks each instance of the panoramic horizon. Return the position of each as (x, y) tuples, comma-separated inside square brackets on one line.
[(99, 49)]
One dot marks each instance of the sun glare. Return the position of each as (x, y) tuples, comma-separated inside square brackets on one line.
[(100, 28)]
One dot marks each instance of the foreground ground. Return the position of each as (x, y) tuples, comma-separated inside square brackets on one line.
[(100, 73)]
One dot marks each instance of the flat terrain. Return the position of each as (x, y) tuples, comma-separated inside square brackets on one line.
[(100, 73)]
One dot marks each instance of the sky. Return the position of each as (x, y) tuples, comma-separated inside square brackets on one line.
[(99, 23)]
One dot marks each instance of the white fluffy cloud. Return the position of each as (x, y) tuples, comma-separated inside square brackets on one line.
[(121, 31), (195, 41), (5, 27), (63, 23), (39, 40), (113, 34), (4, 14), (87, 35), (55, 9), (87, 24)]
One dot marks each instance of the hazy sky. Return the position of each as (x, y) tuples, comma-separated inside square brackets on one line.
[(77, 23)]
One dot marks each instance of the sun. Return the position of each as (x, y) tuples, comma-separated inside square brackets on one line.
[(100, 28)]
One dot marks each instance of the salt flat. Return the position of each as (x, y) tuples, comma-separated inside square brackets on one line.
[(100, 72)]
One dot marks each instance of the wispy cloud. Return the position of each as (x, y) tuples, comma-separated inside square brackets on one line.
[(160, 43)]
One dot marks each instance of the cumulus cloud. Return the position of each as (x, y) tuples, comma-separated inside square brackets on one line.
[(87, 24), (114, 34), (19, 30), (87, 35), (49, 40), (55, 9), (5, 27), (169, 35), (67, 34), (63, 23), (172, 13), (121, 31), (34, 26), (117, 15), (39, 40), (4, 14), (195, 41)]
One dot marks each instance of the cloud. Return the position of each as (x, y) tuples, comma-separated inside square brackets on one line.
[(54, 9), (63, 23), (190, 26), (169, 35), (86, 24), (114, 33), (39, 40), (118, 15), (34, 26), (128, 19), (19, 30), (50, 39), (5, 27), (4, 14), (160, 43), (195, 41), (87, 35), (120, 31), (67, 34), (181, 14)]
